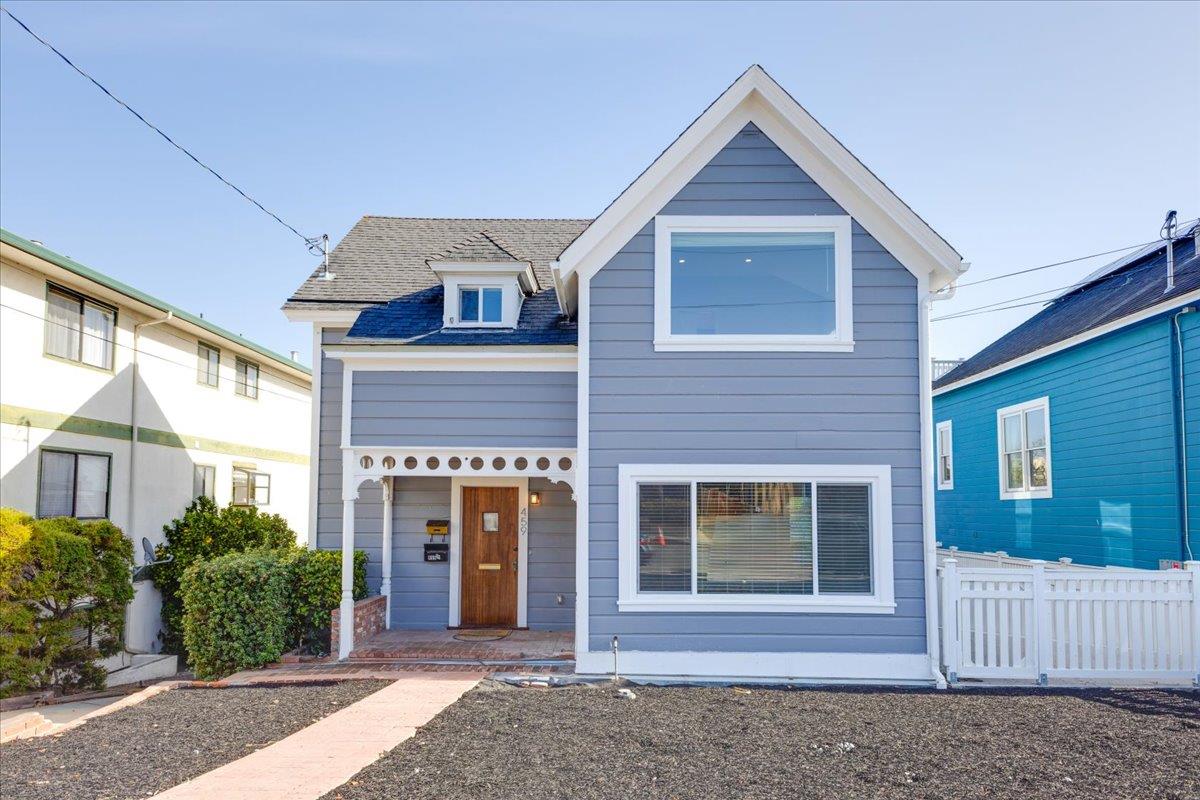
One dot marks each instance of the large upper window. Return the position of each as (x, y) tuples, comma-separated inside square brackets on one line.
[(753, 283), (1024, 444), (208, 364), (755, 538), (480, 305), (79, 329), (73, 484)]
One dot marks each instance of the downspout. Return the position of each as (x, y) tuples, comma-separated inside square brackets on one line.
[(130, 527), (933, 641), (1181, 452)]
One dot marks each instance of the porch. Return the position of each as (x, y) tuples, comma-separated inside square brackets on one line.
[(461, 538)]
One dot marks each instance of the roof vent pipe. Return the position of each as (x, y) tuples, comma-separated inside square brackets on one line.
[(1168, 232)]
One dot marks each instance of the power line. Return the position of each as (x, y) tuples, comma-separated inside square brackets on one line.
[(991, 307), (1055, 264), (310, 241), (140, 351)]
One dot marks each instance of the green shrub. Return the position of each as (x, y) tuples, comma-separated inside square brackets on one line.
[(235, 612), (204, 532), (316, 590), (64, 605)]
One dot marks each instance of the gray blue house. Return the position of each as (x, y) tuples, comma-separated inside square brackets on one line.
[(1075, 434), (698, 424)]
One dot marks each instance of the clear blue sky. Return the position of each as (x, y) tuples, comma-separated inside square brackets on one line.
[(1024, 134)]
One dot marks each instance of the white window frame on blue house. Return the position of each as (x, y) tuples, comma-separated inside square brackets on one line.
[(1027, 491), (877, 476), (945, 452), (841, 340)]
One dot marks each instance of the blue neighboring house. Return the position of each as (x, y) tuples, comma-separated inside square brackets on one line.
[(1075, 434)]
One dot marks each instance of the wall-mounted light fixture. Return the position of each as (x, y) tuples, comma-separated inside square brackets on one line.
[(535, 498)]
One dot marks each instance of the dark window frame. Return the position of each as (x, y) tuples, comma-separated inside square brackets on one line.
[(202, 349), (83, 300), (252, 476), (240, 384), (75, 487), (212, 467)]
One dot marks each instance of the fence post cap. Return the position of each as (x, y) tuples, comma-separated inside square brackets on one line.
[(1193, 565)]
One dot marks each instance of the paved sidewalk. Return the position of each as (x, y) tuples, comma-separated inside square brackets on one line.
[(326, 754)]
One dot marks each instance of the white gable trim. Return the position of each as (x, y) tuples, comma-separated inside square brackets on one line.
[(755, 97)]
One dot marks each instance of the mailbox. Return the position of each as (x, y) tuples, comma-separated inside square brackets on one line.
[(437, 527), (437, 552)]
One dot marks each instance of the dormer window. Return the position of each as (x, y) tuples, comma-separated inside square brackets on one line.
[(481, 305), (485, 284)]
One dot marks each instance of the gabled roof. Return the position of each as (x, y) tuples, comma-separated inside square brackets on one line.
[(479, 248), (1119, 294), (756, 98), (385, 258), (112, 284)]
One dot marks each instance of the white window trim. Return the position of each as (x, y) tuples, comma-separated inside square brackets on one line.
[(1039, 493), (947, 426), (879, 476), (840, 341)]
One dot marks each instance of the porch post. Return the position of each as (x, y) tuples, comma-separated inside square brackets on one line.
[(346, 618), (385, 587)]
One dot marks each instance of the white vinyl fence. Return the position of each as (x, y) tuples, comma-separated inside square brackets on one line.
[(999, 558), (1038, 625)]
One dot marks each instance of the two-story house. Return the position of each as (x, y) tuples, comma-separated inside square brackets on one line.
[(115, 404), (695, 429)]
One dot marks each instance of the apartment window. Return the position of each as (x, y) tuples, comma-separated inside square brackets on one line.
[(945, 455), (79, 329), (1023, 432), (246, 379), (480, 305), (719, 538), (753, 283), (73, 484), (208, 364), (251, 488), (204, 481)]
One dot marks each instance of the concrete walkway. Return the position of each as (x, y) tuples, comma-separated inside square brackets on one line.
[(326, 754)]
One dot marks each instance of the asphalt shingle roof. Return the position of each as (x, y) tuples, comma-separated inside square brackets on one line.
[(1124, 287), (382, 266)]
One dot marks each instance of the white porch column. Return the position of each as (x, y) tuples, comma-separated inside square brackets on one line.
[(385, 586), (346, 618)]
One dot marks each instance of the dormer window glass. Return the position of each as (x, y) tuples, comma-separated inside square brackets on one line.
[(480, 305)]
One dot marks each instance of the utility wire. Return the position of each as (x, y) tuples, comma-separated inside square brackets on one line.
[(1055, 264), (309, 241), (191, 367), (992, 307)]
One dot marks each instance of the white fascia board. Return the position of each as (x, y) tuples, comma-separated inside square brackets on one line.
[(1065, 344), (522, 270), (446, 359), (757, 98), (325, 317)]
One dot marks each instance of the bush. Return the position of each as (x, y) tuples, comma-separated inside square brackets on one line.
[(64, 599), (202, 533), (235, 612), (316, 590)]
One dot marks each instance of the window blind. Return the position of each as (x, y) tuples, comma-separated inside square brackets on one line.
[(665, 537), (754, 538), (843, 539)]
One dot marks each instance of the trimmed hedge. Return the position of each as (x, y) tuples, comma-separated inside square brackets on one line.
[(202, 533), (316, 590), (64, 585), (235, 612)]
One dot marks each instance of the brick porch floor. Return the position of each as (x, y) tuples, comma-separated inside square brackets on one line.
[(410, 646)]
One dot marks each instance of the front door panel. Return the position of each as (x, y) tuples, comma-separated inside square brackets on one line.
[(489, 555)]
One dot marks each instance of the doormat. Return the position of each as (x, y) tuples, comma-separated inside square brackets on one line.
[(483, 635)]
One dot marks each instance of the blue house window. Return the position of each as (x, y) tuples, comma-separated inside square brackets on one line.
[(480, 304), (1023, 433)]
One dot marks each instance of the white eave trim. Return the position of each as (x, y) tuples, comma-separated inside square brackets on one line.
[(326, 317), (522, 270), (756, 97), (379, 358), (1065, 344)]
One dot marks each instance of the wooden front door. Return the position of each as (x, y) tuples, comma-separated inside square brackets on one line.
[(489, 556)]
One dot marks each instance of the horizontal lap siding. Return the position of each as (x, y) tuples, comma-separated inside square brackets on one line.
[(755, 408), (464, 409), (551, 557), (1113, 462)]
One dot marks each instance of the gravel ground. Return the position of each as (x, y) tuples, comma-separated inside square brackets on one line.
[(174, 736), (588, 742)]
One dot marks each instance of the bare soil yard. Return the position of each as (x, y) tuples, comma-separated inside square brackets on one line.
[(146, 748), (590, 743)]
